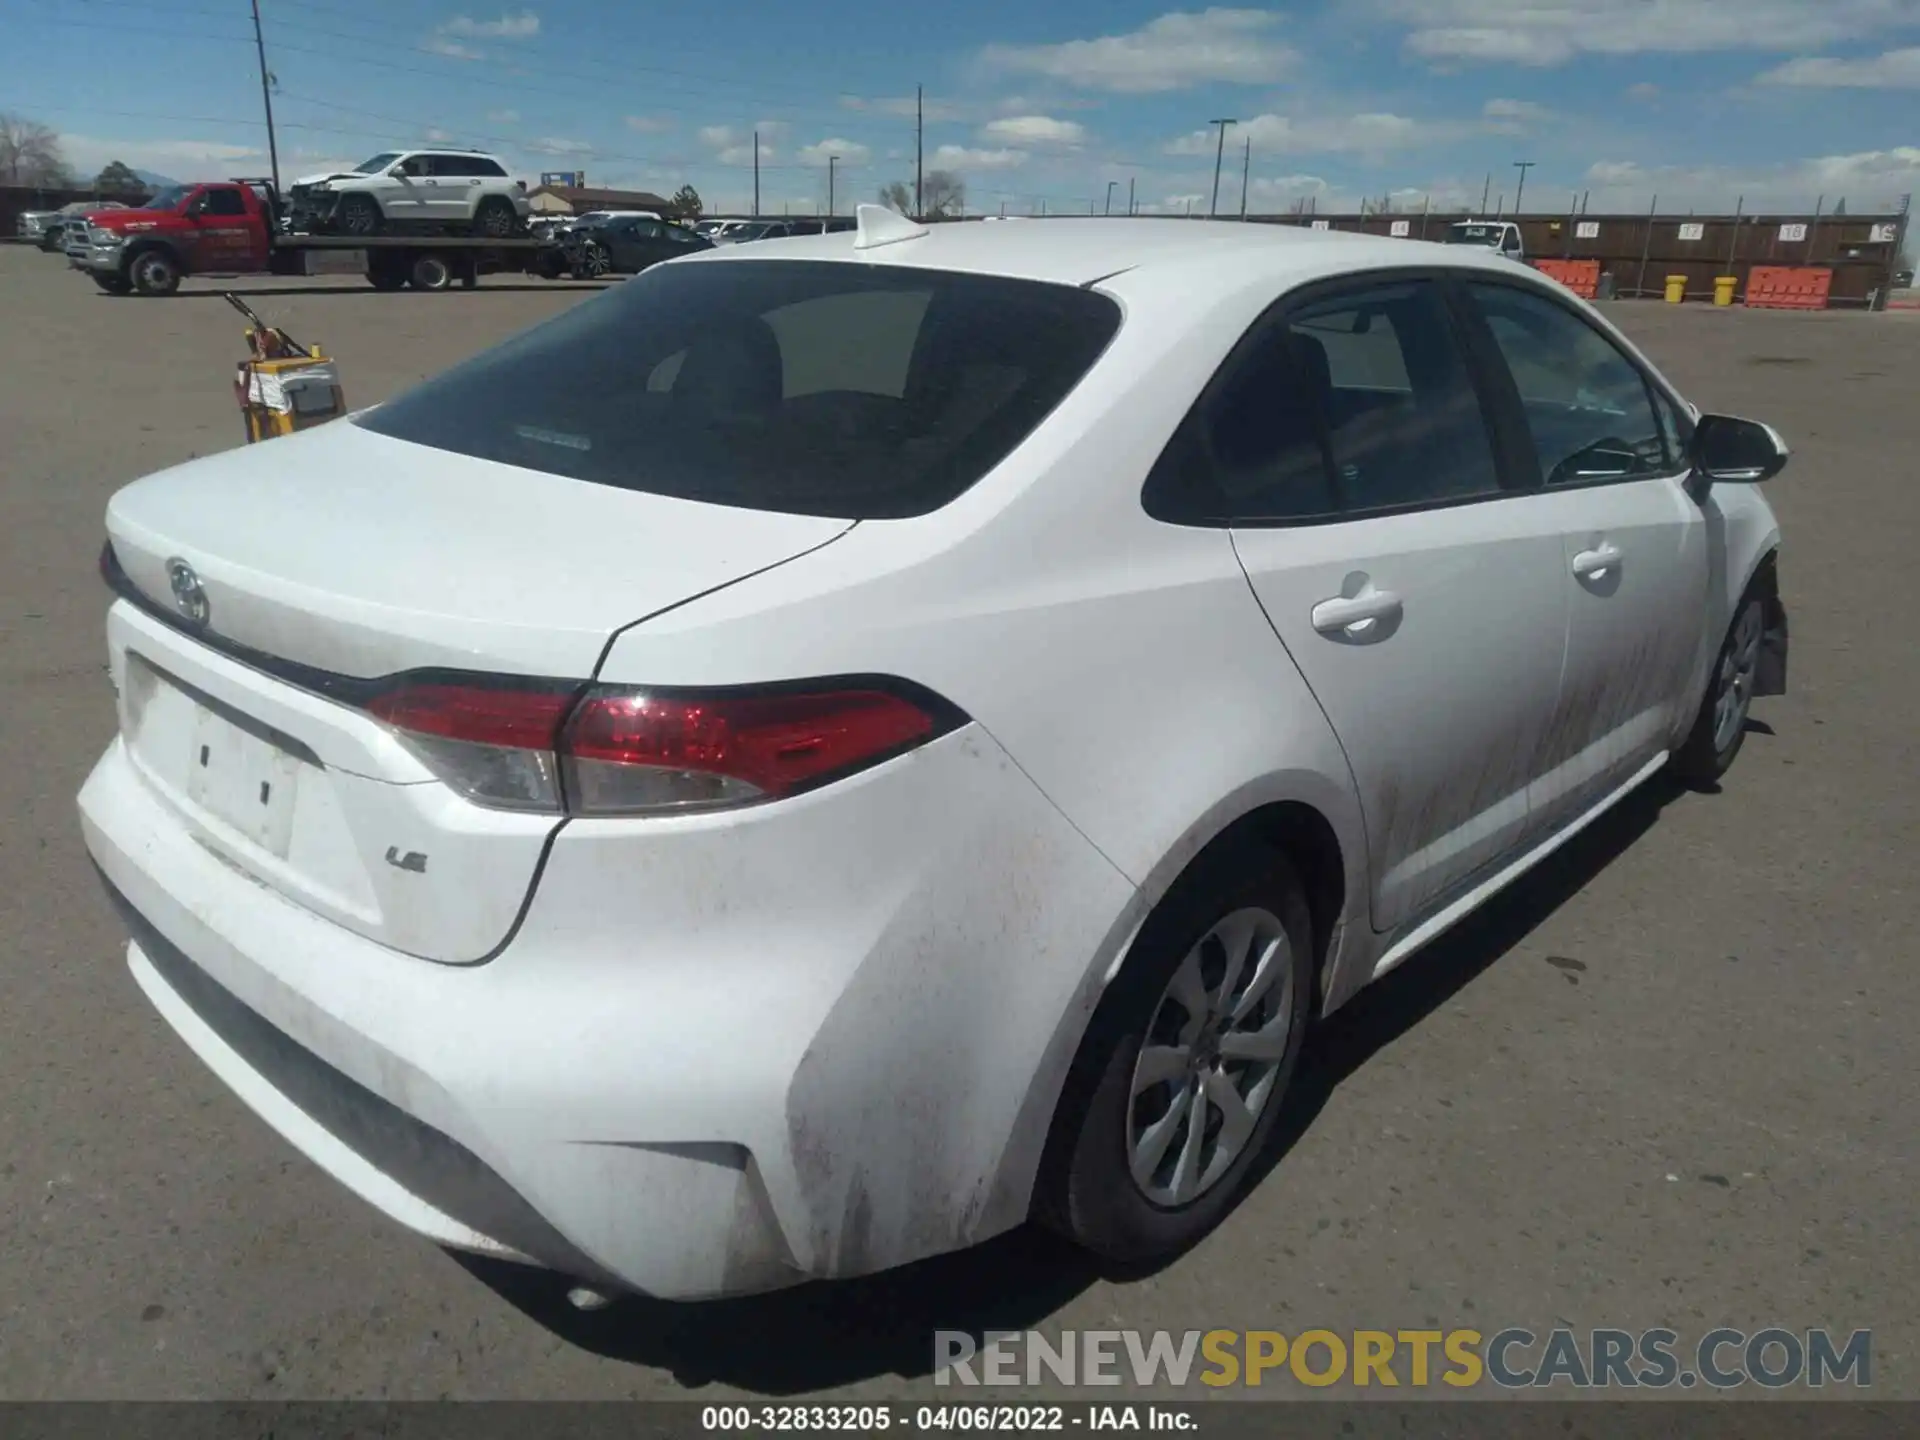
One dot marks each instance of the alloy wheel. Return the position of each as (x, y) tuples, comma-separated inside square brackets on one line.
[(1211, 1056), (1734, 677)]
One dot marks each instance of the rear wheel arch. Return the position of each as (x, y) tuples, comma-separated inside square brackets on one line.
[(1292, 830)]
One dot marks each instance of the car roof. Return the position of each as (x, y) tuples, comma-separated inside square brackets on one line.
[(1082, 251)]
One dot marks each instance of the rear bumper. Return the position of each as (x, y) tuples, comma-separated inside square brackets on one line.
[(717, 1058)]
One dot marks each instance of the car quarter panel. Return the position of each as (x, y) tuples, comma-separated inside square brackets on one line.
[(1125, 667)]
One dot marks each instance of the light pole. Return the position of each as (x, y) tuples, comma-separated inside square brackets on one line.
[(1110, 185), (1219, 154), (266, 96), (832, 160), (1522, 166)]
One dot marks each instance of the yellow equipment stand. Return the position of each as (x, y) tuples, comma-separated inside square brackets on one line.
[(283, 387)]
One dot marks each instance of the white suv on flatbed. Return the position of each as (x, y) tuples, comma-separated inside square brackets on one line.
[(412, 190)]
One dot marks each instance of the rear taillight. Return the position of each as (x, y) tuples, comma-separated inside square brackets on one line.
[(619, 751)]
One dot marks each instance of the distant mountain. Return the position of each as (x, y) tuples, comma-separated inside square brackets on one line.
[(158, 182)]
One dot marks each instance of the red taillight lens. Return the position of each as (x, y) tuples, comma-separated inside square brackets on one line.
[(616, 751), (629, 752), (492, 743)]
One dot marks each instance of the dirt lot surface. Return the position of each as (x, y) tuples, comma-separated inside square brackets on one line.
[(1670, 1079)]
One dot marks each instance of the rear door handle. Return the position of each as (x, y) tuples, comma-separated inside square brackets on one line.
[(1592, 564), (1355, 616)]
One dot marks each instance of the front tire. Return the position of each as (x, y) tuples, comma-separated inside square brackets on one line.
[(1185, 1068), (495, 218), (154, 272), (358, 215), (1720, 727), (113, 284)]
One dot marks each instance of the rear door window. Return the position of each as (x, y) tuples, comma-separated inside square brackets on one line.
[(813, 388)]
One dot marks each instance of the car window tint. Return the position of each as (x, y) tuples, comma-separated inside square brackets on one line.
[(1676, 430), (481, 166), (814, 388), (1403, 421), (225, 201), (815, 363), (1587, 406)]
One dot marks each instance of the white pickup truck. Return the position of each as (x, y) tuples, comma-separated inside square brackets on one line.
[(1500, 235)]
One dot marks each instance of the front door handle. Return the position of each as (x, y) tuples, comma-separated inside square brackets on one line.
[(1356, 616), (1595, 563)]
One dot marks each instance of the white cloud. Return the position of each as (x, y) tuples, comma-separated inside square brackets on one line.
[(1552, 32), (523, 26), (558, 145), (436, 136), (850, 152), (718, 135), (1644, 92), (743, 154), (771, 127), (962, 157), (1868, 180), (1033, 130), (453, 49), (1513, 110), (1368, 134), (1893, 70), (649, 124), (1174, 52), (504, 117)]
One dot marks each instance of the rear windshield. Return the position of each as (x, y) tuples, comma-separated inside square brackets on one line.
[(861, 392)]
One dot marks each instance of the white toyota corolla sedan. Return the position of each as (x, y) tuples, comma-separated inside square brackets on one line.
[(837, 746)]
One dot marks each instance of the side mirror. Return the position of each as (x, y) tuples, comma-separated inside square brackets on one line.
[(398, 172), (1737, 452)]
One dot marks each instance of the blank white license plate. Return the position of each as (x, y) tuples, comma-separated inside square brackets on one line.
[(243, 780)]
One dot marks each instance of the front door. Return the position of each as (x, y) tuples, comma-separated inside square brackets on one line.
[(223, 232), (1419, 595), (1633, 542)]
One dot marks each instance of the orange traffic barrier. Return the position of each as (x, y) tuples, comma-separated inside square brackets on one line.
[(1580, 276), (1788, 287)]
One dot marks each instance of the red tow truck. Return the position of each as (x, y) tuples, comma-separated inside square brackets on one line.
[(236, 227)]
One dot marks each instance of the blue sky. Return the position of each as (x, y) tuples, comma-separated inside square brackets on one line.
[(1701, 101)]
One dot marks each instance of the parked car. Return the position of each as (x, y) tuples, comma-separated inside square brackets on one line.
[(412, 191), (717, 876), (48, 228), (626, 245)]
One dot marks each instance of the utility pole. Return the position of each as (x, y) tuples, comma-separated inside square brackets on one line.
[(1110, 185), (1219, 154), (756, 174), (832, 160), (919, 151), (1522, 166), (266, 95), (1130, 205), (1485, 191), (1246, 174)]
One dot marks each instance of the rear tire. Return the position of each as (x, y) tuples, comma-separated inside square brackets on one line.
[(430, 272), (1720, 727), (358, 215), (154, 272), (1153, 1066), (495, 218)]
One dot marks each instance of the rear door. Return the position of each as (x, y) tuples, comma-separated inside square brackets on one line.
[(1416, 590), (1633, 541), (452, 188)]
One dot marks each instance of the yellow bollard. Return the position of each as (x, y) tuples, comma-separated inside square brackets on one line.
[(1723, 289), (1676, 289)]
